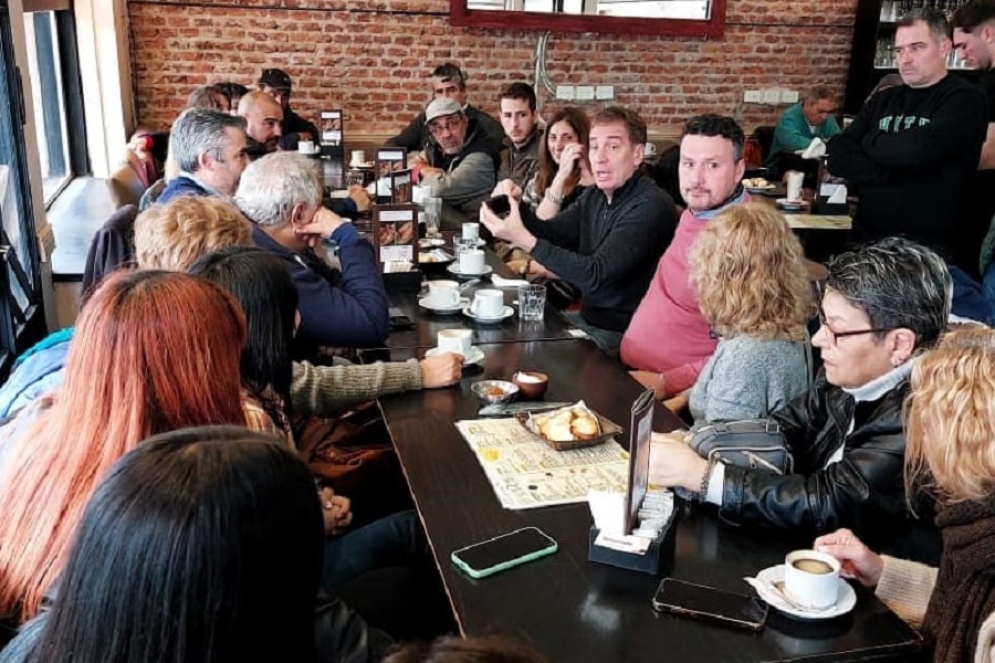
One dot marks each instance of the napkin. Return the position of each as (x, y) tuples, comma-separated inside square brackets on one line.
[(839, 196), (815, 149), (501, 282)]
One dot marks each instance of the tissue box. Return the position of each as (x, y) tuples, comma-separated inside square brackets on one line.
[(661, 550), (830, 209)]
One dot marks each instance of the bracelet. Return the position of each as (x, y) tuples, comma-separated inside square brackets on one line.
[(553, 198), (706, 479)]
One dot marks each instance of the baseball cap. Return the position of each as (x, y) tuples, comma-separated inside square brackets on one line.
[(440, 107), (275, 78)]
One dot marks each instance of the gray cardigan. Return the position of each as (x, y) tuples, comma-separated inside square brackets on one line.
[(748, 378)]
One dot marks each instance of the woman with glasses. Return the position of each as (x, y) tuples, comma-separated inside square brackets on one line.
[(880, 305)]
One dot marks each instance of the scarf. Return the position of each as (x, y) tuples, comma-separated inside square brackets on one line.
[(964, 596)]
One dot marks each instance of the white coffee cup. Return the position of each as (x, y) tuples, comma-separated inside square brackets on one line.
[(443, 293), (811, 578), (795, 179), (471, 231), (305, 146), (471, 262), (455, 340), (358, 158), (649, 150), (487, 303)]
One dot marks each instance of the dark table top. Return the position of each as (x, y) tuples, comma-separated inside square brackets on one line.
[(567, 607), (428, 324)]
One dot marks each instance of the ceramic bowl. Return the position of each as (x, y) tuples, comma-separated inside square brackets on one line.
[(495, 391), (532, 384)]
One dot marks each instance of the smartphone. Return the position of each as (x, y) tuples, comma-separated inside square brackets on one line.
[(398, 320), (500, 205), (699, 601), (503, 552)]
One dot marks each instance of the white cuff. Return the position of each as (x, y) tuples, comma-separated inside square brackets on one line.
[(715, 484)]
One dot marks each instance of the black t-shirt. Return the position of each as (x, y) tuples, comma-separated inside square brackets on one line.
[(980, 204)]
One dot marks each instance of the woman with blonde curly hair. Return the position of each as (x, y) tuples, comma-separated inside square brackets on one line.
[(950, 426), (747, 267)]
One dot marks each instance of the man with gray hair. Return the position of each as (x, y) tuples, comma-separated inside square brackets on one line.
[(208, 147), (281, 194), (808, 119)]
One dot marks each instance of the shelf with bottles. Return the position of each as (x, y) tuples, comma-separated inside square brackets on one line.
[(884, 56), (892, 10)]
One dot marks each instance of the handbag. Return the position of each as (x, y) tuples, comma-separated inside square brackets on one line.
[(751, 443)]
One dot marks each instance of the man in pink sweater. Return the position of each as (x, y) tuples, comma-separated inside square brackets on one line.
[(668, 341)]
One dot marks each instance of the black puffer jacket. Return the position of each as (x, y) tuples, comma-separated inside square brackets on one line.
[(864, 491)]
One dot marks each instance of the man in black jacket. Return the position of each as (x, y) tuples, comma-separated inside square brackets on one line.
[(913, 149), (881, 305), (608, 243), (449, 82), (293, 127)]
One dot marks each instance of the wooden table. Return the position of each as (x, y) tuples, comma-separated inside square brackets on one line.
[(574, 610)]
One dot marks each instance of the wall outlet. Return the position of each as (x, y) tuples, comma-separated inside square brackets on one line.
[(585, 93), (565, 92), (789, 97), (772, 96), (753, 96), (604, 92)]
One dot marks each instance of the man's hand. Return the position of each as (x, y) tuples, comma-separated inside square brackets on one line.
[(507, 188), (321, 226), (651, 380), (856, 560), (335, 510), (361, 197), (440, 371), (674, 463), (510, 228)]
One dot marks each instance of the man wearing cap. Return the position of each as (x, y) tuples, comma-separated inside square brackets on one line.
[(449, 82), (455, 162), (277, 84)]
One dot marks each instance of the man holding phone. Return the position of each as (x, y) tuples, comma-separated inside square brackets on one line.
[(608, 242)]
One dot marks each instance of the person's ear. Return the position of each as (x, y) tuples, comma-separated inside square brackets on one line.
[(902, 345), (205, 161), (298, 216)]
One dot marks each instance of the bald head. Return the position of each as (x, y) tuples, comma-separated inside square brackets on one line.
[(263, 115)]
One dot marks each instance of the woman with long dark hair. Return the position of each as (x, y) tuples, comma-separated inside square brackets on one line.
[(563, 171)]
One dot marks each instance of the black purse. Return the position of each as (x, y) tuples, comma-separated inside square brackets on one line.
[(751, 443)]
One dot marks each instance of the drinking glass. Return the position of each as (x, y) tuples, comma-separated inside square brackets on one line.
[(433, 216), (531, 301)]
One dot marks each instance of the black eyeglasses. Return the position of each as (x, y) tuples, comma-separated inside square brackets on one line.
[(834, 336)]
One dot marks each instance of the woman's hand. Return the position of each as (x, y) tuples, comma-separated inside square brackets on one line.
[(336, 511), (570, 160), (507, 188), (674, 463), (651, 380), (856, 560), (441, 371)]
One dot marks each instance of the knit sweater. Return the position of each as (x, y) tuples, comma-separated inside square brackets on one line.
[(748, 378), (668, 334), (793, 132)]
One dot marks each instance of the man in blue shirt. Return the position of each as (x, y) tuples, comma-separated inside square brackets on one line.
[(811, 118)]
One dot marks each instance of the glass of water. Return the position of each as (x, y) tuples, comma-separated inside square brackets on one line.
[(432, 215), (531, 301)]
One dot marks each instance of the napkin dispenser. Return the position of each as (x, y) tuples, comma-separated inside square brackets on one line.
[(660, 551), (406, 282)]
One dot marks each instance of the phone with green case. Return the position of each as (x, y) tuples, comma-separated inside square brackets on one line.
[(503, 552)]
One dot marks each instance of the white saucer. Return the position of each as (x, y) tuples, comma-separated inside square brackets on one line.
[(846, 599), (475, 356), (790, 204), (454, 269), (428, 242), (507, 313), (316, 150), (424, 303)]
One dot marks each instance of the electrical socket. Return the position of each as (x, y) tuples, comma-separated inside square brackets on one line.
[(789, 97), (585, 93), (772, 96), (604, 92), (565, 92), (753, 96)]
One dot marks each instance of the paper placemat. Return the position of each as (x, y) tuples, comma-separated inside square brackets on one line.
[(819, 222), (526, 473)]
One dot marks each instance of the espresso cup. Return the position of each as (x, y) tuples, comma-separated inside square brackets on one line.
[(487, 304), (811, 579), (795, 180), (471, 231), (443, 294), (305, 146), (455, 340), (471, 262)]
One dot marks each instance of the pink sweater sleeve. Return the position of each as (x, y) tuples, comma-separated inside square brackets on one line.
[(679, 378)]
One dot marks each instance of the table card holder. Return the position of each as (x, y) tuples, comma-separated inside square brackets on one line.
[(400, 187), (395, 237), (651, 559), (388, 160), (332, 134)]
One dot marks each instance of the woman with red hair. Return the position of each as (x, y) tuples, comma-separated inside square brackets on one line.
[(154, 352)]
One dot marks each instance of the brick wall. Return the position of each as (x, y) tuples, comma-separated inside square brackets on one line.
[(370, 57)]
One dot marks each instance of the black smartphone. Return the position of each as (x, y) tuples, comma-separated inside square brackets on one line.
[(398, 320), (500, 205), (702, 602), (503, 552)]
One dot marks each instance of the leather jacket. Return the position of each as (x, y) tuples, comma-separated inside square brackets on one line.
[(864, 491)]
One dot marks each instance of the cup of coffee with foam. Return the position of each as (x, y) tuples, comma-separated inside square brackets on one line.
[(811, 579)]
